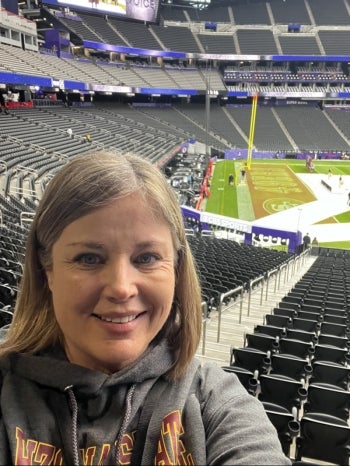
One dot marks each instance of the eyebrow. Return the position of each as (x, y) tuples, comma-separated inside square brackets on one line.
[(95, 245), (86, 244)]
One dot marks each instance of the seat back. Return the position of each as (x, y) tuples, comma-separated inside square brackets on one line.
[(260, 341), (323, 437), (250, 358), (285, 424), (331, 353), (328, 372), (290, 365), (281, 390), (328, 399)]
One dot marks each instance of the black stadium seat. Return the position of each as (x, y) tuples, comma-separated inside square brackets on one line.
[(282, 390), (323, 437), (292, 366), (251, 359), (261, 341), (330, 372), (284, 422), (247, 378), (328, 399)]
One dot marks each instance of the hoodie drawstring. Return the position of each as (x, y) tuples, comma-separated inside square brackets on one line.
[(125, 422), (74, 408)]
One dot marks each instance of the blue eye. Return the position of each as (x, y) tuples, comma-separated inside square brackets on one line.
[(88, 259), (146, 259)]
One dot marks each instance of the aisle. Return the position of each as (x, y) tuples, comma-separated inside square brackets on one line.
[(262, 301)]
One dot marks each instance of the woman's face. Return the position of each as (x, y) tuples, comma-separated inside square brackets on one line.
[(112, 281)]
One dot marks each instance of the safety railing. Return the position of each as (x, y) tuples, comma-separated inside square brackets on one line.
[(253, 283), (288, 268), (205, 316), (239, 290), (26, 217)]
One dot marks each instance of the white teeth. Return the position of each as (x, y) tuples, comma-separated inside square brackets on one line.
[(118, 320)]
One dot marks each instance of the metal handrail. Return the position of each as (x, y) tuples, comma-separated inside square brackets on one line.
[(268, 275), (282, 267), (251, 283), (205, 315), (26, 217), (223, 296)]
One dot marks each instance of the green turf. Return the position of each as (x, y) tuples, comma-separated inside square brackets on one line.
[(223, 197), (338, 167), (236, 201), (322, 166), (343, 218), (336, 244)]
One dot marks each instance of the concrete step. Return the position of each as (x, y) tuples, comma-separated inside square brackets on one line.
[(221, 334)]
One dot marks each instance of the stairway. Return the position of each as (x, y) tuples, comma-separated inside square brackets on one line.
[(261, 301)]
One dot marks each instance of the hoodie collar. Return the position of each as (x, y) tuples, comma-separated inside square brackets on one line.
[(52, 369)]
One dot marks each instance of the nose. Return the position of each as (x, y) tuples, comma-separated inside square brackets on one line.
[(120, 280)]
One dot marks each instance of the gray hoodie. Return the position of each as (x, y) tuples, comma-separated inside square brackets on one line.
[(54, 412)]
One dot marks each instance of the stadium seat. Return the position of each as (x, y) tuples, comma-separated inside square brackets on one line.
[(285, 423), (302, 335), (278, 321), (333, 340), (310, 315), (269, 330), (247, 378), (282, 390), (298, 348), (289, 305), (251, 359), (335, 312), (342, 320), (292, 366), (330, 372), (261, 342), (331, 328), (285, 312), (328, 399), (331, 353), (323, 437), (294, 298), (305, 324)]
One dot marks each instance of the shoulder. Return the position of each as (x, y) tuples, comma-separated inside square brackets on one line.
[(221, 395), (212, 372), (229, 416), (214, 385)]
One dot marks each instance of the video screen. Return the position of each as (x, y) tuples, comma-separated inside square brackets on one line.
[(143, 10)]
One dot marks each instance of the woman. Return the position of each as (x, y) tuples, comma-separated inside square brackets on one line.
[(98, 366)]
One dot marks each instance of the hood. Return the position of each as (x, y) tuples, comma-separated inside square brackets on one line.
[(51, 368)]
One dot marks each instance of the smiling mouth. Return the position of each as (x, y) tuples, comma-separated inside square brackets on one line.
[(117, 320)]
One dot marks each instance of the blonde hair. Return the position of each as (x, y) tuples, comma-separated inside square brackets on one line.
[(84, 184)]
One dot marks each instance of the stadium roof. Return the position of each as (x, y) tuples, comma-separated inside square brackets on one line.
[(206, 3)]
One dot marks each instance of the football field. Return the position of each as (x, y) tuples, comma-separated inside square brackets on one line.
[(275, 186)]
